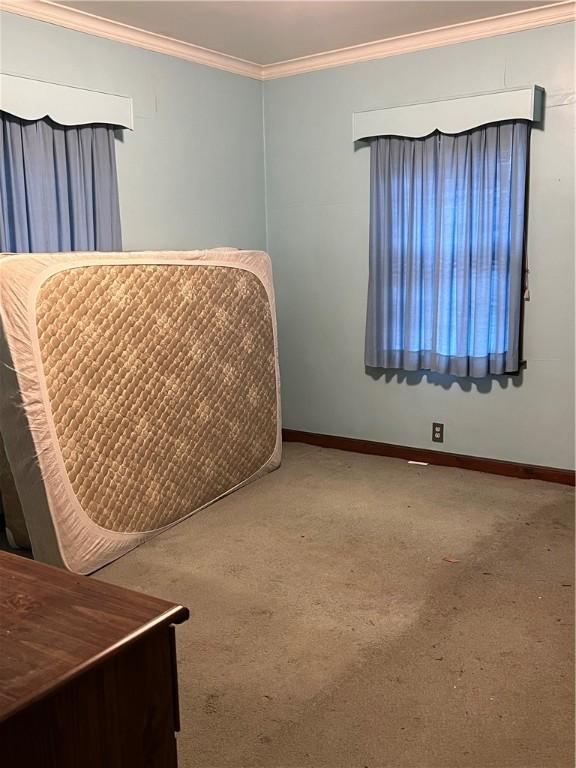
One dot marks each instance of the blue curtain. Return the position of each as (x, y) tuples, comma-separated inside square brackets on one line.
[(58, 187), (446, 251)]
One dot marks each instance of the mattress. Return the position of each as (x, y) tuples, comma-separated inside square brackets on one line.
[(138, 388)]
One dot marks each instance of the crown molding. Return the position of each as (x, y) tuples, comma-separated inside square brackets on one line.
[(418, 41), (62, 16), (54, 13)]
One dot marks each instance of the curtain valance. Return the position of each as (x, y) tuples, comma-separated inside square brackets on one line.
[(451, 115), (31, 99)]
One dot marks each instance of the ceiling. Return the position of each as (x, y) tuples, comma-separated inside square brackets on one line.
[(271, 31)]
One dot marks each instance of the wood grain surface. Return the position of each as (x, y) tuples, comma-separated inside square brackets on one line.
[(55, 626)]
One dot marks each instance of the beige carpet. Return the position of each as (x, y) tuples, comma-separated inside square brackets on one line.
[(328, 630)]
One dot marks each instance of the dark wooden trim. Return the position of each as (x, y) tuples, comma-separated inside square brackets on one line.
[(174, 667), (477, 463)]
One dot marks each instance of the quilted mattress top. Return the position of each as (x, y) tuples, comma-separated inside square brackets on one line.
[(142, 386)]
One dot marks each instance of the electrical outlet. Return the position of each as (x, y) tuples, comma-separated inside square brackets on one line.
[(437, 432)]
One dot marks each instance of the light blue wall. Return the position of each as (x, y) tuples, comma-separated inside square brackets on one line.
[(191, 174), (317, 202)]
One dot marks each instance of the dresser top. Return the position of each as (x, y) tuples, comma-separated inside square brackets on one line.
[(54, 625)]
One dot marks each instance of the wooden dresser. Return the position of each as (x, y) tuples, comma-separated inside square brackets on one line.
[(87, 672)]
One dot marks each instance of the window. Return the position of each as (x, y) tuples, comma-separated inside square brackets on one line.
[(446, 251), (58, 187)]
